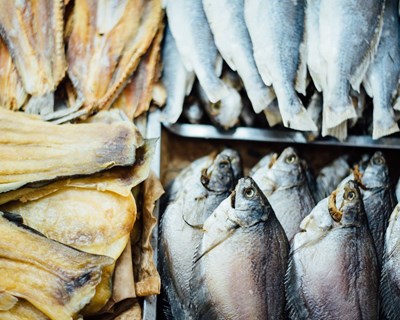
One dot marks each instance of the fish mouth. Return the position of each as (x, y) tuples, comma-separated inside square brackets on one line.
[(335, 213)]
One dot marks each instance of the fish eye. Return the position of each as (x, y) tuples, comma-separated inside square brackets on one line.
[(291, 159), (223, 164), (249, 193), (379, 161), (351, 195)]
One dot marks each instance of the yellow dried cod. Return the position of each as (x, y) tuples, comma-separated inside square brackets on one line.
[(105, 45), (56, 279), (22, 310), (34, 150), (12, 92), (33, 32)]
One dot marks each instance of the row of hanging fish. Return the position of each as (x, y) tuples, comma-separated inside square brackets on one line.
[(280, 243), (344, 45), (75, 217), (69, 59)]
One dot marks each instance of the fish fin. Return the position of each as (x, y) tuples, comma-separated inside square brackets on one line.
[(359, 74), (260, 99), (300, 120), (272, 114), (336, 111), (301, 76), (42, 105), (384, 122), (219, 63), (339, 132), (396, 105)]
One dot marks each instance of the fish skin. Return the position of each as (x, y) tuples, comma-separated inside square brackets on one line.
[(314, 109), (181, 221), (390, 268), (262, 163), (382, 77), (177, 80), (286, 187), (195, 43), (397, 190), (276, 30), (379, 199), (333, 268), (349, 36), (193, 112), (226, 19), (234, 274)]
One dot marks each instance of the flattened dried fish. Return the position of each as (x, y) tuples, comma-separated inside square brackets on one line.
[(235, 275), (33, 32)]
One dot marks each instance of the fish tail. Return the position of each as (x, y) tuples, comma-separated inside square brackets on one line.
[(42, 105), (396, 105), (261, 98), (214, 87), (337, 110), (272, 114), (339, 132), (384, 122)]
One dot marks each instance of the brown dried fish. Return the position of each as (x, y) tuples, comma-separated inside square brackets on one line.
[(34, 150), (106, 43), (33, 32)]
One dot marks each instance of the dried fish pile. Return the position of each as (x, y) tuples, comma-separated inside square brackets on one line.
[(76, 217), (70, 59), (333, 53), (333, 236)]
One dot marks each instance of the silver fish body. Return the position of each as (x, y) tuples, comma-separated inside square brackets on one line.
[(234, 274), (195, 43), (181, 223), (285, 184), (333, 270), (226, 18), (383, 74), (276, 30)]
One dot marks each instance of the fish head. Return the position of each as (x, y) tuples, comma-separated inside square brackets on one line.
[(236, 162), (376, 175), (249, 203)]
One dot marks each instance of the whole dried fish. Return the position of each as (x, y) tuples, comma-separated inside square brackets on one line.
[(384, 72), (276, 30), (180, 224), (349, 36), (333, 268), (33, 150), (235, 275), (195, 44), (284, 182), (71, 276), (226, 19)]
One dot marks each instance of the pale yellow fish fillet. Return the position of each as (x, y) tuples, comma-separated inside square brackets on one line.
[(56, 279), (12, 92), (34, 150), (22, 310), (33, 32), (106, 42), (135, 99)]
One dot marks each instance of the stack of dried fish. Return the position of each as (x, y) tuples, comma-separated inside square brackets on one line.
[(76, 218), (216, 240), (65, 61), (271, 45)]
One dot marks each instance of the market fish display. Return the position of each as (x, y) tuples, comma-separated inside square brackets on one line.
[(235, 276), (33, 32), (284, 182), (182, 220), (333, 270), (226, 19), (195, 43)]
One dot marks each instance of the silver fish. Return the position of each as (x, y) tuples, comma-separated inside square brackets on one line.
[(235, 276), (390, 277), (383, 74), (180, 224), (284, 182), (276, 30), (333, 270), (349, 36), (263, 163), (176, 79), (195, 43), (226, 18)]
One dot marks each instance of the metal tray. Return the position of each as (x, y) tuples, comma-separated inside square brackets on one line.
[(204, 131)]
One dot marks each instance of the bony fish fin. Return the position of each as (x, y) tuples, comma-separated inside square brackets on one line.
[(219, 63), (273, 114), (339, 132), (262, 98), (299, 120), (396, 105), (190, 78), (384, 122), (301, 76), (362, 68), (194, 226), (337, 110), (40, 104)]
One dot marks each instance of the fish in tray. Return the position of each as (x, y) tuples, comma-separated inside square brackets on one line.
[(235, 276), (226, 19), (285, 184), (333, 269), (33, 32), (276, 30), (384, 72), (201, 191)]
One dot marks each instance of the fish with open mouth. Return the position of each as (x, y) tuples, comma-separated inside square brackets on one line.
[(333, 269), (235, 276)]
